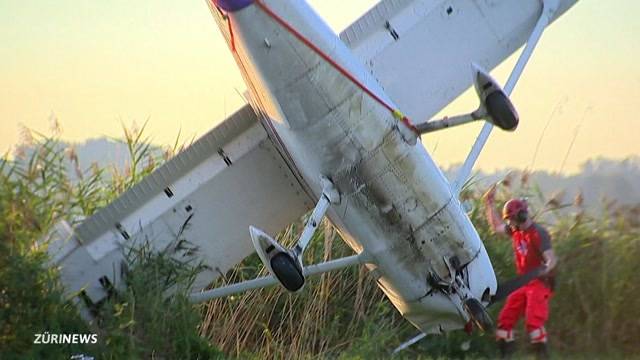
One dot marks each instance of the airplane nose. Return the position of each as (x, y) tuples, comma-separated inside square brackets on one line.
[(232, 5)]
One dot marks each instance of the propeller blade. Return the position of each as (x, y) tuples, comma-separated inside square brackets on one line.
[(509, 286)]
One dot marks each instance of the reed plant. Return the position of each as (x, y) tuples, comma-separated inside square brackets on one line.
[(44, 183), (342, 314)]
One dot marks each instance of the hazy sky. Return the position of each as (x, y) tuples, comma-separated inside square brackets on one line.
[(98, 64)]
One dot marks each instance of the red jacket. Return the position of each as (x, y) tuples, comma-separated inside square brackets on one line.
[(528, 246)]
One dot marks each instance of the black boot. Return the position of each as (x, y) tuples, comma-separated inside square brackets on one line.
[(507, 348), (540, 350)]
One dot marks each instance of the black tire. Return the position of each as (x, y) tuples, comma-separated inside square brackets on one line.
[(479, 315), (501, 110), (287, 271)]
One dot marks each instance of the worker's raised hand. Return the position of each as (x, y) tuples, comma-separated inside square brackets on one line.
[(490, 195)]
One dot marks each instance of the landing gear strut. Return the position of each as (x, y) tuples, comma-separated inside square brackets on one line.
[(286, 264), (470, 308), (495, 107)]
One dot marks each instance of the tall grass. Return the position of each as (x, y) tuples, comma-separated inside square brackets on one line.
[(36, 191), (338, 315), (596, 305)]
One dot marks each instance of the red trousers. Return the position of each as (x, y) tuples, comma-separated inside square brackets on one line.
[(532, 301)]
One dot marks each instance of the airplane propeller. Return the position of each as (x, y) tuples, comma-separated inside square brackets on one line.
[(506, 288)]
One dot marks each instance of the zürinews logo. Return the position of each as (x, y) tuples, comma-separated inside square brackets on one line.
[(47, 338)]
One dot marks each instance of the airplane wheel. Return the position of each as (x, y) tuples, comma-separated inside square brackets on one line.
[(479, 315), (501, 110), (286, 269)]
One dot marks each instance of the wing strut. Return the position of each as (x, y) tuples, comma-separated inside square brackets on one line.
[(270, 280), (549, 8)]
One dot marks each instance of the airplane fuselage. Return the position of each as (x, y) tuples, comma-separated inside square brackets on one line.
[(397, 209)]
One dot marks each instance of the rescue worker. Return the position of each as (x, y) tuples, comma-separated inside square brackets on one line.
[(532, 248)]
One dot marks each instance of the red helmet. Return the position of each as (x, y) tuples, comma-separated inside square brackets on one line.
[(515, 209)]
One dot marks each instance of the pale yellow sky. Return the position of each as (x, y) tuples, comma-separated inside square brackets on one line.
[(96, 65)]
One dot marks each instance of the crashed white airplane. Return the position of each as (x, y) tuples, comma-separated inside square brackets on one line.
[(329, 127)]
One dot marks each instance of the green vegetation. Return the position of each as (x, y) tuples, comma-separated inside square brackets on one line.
[(338, 315), (140, 322)]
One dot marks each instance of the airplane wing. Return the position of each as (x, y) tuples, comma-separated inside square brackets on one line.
[(421, 51), (209, 194)]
